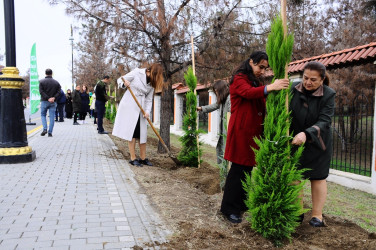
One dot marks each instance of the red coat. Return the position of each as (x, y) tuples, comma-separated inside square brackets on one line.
[(247, 117)]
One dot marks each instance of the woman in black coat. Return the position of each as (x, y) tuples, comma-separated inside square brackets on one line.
[(68, 104), (85, 100), (76, 101), (312, 107)]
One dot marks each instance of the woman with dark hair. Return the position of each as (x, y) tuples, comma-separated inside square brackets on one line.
[(221, 90), (68, 104), (85, 100), (130, 124), (312, 108), (248, 93)]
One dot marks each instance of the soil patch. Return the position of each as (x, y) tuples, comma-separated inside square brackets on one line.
[(188, 200)]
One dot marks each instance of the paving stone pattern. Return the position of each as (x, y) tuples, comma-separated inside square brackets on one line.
[(79, 193)]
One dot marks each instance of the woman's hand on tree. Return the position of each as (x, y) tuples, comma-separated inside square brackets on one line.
[(198, 108), (278, 85), (299, 139)]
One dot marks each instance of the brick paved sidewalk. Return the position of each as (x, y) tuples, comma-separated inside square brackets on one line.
[(79, 193)]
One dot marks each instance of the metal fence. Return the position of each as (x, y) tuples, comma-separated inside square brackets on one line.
[(353, 134)]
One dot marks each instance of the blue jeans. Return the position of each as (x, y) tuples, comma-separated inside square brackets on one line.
[(44, 106), (100, 106)]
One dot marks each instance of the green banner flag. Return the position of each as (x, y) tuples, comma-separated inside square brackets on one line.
[(34, 82)]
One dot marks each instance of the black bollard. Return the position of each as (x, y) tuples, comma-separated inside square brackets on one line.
[(13, 137)]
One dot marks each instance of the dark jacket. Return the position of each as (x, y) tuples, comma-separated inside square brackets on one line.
[(247, 117), (61, 99), (84, 102), (312, 113), (49, 87), (76, 101), (68, 103), (100, 92)]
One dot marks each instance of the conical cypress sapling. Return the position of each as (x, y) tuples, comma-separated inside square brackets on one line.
[(189, 152), (273, 190)]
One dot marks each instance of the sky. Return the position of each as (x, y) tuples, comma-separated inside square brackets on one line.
[(49, 27)]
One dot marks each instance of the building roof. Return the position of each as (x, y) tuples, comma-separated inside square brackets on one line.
[(362, 54), (353, 56), (185, 89)]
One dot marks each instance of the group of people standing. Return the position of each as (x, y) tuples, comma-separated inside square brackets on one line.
[(312, 108), (77, 104), (243, 102)]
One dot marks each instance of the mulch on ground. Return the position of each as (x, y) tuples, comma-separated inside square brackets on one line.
[(188, 200)]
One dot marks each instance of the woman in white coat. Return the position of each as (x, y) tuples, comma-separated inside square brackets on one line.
[(130, 124)]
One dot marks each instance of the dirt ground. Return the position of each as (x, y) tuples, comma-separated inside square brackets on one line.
[(188, 200)]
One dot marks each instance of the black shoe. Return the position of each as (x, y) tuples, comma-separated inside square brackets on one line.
[(316, 222), (103, 132), (49, 135), (234, 218), (61, 120), (44, 133), (76, 123), (145, 162), (135, 163), (56, 120)]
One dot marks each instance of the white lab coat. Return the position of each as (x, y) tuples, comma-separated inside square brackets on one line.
[(128, 111)]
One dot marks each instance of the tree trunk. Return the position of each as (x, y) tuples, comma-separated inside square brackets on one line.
[(166, 109), (166, 115)]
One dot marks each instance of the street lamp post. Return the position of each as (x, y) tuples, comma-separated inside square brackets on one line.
[(13, 137), (71, 39)]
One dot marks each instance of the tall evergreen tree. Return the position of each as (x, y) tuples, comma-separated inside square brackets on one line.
[(189, 152), (273, 190)]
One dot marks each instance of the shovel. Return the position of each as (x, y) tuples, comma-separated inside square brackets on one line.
[(177, 162)]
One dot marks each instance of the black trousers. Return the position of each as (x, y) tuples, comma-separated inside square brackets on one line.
[(60, 112), (234, 194), (101, 109), (83, 115), (75, 116)]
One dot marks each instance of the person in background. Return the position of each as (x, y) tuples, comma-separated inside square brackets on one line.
[(61, 100), (312, 109), (92, 108), (100, 102), (130, 123), (84, 103), (76, 102), (221, 90), (248, 93), (68, 105), (49, 90), (90, 102)]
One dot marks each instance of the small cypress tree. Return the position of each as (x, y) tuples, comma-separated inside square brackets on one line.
[(189, 152), (273, 190)]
